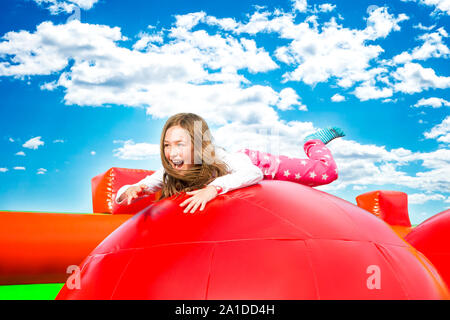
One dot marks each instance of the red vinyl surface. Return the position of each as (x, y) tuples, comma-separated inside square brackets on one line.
[(432, 238)]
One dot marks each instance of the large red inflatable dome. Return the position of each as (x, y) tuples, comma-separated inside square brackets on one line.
[(273, 240)]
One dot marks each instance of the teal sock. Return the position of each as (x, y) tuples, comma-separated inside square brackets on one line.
[(326, 135)]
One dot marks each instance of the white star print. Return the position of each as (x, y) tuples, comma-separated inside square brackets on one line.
[(303, 162), (312, 175), (327, 156), (297, 176), (324, 177), (286, 173)]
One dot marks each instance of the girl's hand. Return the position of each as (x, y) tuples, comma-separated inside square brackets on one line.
[(200, 197), (133, 193)]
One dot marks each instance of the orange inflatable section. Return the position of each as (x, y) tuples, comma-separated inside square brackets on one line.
[(38, 247), (106, 185), (390, 206)]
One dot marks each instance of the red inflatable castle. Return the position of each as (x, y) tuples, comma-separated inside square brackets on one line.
[(273, 240)]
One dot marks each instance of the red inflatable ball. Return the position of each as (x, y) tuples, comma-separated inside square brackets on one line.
[(432, 238), (273, 240)]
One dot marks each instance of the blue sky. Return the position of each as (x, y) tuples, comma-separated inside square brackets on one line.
[(87, 85)]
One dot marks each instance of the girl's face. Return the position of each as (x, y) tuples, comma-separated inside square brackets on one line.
[(178, 148)]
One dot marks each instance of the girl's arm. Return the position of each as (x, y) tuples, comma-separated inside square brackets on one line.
[(153, 182), (243, 173)]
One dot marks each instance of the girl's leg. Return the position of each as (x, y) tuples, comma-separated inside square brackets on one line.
[(267, 162), (318, 169)]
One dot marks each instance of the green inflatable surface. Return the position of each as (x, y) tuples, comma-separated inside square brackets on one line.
[(45, 291)]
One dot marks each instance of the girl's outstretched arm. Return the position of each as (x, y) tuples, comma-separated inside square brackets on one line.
[(153, 182)]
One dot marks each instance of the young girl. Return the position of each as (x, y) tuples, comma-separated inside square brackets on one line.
[(192, 164)]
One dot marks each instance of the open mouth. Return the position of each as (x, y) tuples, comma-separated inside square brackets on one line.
[(177, 163)]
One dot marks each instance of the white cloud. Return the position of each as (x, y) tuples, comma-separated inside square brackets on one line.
[(67, 6), (227, 24), (33, 143), (432, 102), (441, 132), (3, 169), (337, 98), (190, 20), (380, 23), (49, 86), (41, 171), (371, 165), (421, 198), (439, 5), (146, 40), (50, 47), (218, 52), (420, 26), (288, 99), (218, 104), (300, 5), (19, 168), (334, 51), (136, 151), (326, 7), (413, 78), (367, 92), (432, 47), (105, 73), (93, 153), (20, 153), (195, 68), (319, 54)]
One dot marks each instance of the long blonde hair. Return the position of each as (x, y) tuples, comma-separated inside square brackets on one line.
[(200, 174)]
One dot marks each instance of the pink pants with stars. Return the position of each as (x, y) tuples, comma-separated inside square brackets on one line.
[(318, 169)]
